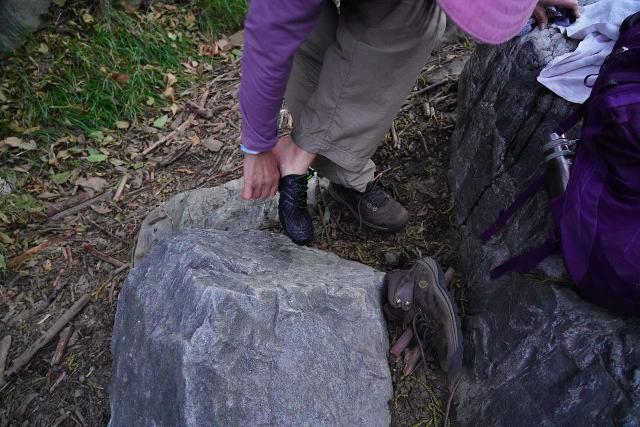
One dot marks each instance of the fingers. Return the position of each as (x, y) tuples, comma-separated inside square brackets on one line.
[(261, 177), (572, 5), (541, 17)]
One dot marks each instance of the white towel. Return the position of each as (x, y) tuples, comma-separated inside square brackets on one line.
[(598, 28)]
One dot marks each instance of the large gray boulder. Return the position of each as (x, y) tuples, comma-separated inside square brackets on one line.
[(233, 328), (19, 18), (536, 354)]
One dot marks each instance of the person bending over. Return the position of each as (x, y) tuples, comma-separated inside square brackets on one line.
[(344, 73)]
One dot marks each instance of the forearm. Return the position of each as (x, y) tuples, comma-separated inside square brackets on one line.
[(274, 29)]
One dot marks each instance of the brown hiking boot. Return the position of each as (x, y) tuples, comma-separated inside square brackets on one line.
[(419, 298), (373, 208)]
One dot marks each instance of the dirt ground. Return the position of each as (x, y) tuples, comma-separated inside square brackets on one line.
[(84, 246)]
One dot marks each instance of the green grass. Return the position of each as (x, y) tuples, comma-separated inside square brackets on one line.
[(217, 17), (59, 89)]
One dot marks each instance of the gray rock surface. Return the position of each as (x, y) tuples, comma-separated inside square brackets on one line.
[(235, 328), (536, 354), (219, 208), (19, 18)]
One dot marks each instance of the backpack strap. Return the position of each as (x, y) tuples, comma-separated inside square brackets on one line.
[(536, 184), (571, 120), (529, 260), (506, 214)]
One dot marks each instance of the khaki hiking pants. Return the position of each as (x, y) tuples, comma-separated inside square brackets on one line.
[(352, 75)]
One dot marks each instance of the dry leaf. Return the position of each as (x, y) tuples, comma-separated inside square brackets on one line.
[(174, 108), (210, 50), (170, 79), (213, 144), (122, 124), (16, 142), (102, 209), (120, 78), (94, 183)]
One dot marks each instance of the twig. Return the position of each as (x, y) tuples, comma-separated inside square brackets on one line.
[(394, 136), (429, 88), (170, 136), (105, 258), (22, 360), (172, 157), (18, 260), (61, 419), (82, 206), (120, 189), (453, 391), (68, 203), (448, 276), (62, 345), (40, 306), (203, 112), (5, 345), (105, 231)]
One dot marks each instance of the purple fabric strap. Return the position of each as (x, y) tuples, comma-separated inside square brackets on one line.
[(527, 261), (522, 197)]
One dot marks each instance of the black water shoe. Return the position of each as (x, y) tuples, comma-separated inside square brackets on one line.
[(292, 208)]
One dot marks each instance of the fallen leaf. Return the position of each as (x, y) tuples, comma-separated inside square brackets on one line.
[(61, 178), (94, 183), (102, 209), (168, 92), (96, 158), (47, 195), (43, 48), (213, 144), (116, 162), (87, 18), (16, 142), (174, 108), (96, 135), (129, 8), (150, 101), (210, 50), (236, 39), (122, 124), (171, 79), (160, 121), (120, 78), (59, 3), (5, 239)]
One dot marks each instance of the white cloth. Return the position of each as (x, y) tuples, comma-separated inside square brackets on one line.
[(598, 28)]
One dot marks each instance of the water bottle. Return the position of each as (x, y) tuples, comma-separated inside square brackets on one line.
[(558, 157)]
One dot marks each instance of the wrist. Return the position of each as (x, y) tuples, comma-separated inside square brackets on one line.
[(249, 151)]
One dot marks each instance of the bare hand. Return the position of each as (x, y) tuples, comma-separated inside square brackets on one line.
[(541, 15), (261, 176)]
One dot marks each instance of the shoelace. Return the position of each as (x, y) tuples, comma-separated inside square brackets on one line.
[(374, 194), (300, 190), (422, 330)]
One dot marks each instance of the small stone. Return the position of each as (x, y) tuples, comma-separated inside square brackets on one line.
[(392, 259)]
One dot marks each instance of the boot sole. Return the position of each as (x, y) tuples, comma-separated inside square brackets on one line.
[(445, 296), (354, 212)]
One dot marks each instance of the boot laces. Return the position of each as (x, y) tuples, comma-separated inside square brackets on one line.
[(300, 185), (374, 194)]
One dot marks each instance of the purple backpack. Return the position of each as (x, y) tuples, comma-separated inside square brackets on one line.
[(597, 218)]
